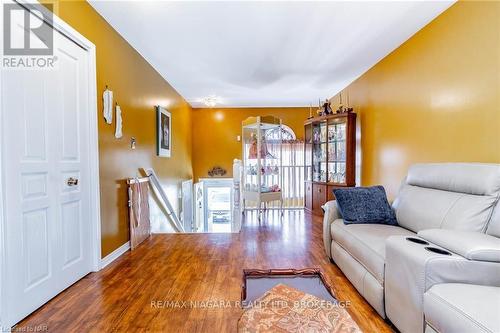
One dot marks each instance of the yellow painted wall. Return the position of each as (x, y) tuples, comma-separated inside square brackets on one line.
[(137, 87), (215, 131), (434, 99)]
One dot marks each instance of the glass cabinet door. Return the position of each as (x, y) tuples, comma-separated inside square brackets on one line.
[(319, 155), (262, 163), (270, 168), (250, 159), (337, 146)]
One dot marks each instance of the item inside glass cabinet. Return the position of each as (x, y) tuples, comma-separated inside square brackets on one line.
[(252, 153)]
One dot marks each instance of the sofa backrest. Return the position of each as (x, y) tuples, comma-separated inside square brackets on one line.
[(460, 196)]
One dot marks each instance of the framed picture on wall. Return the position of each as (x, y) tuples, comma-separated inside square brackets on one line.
[(163, 132)]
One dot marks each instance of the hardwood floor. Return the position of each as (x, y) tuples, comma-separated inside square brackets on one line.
[(124, 296)]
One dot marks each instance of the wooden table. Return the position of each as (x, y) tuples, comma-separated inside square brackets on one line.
[(286, 309)]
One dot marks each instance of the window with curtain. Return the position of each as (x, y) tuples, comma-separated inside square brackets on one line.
[(292, 167)]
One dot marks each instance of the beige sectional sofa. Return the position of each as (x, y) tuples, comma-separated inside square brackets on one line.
[(449, 229)]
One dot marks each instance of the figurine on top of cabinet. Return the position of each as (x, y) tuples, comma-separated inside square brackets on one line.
[(326, 108), (342, 108)]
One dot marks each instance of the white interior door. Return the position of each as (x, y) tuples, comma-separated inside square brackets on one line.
[(45, 149)]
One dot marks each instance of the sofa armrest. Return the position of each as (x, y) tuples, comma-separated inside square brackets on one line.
[(411, 269), (470, 245), (331, 214)]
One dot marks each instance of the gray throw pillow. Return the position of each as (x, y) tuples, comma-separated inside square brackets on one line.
[(364, 205)]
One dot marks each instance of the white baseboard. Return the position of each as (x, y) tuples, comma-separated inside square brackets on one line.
[(114, 255)]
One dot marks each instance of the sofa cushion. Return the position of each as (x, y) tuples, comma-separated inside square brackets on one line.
[(456, 307), (364, 205), (366, 243)]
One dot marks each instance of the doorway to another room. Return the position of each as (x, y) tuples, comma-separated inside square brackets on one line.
[(214, 205), (218, 209)]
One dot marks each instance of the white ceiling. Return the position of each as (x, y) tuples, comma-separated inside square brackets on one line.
[(265, 53)]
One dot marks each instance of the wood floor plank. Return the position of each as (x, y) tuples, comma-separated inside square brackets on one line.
[(195, 268)]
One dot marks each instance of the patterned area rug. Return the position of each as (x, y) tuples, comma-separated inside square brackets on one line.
[(285, 309)]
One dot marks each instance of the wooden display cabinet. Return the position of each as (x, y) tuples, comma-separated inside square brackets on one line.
[(330, 158)]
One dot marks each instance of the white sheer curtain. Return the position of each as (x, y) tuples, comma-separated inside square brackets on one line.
[(292, 173)]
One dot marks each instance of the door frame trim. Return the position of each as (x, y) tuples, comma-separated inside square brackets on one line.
[(65, 29)]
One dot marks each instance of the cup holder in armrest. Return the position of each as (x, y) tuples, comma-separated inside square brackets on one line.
[(438, 251), (417, 240)]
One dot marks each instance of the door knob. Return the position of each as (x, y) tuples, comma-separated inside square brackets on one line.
[(72, 181)]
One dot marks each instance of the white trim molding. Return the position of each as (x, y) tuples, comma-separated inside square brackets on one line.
[(114, 255)]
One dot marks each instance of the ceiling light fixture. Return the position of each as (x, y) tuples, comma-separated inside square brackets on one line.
[(211, 101)]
